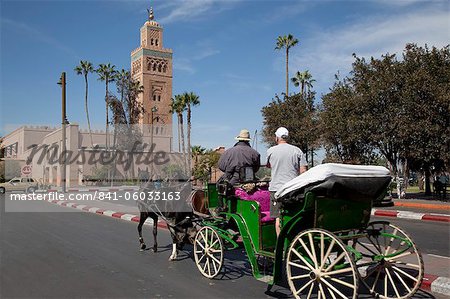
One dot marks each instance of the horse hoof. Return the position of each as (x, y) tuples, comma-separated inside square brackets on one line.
[(172, 258), (155, 248), (143, 246)]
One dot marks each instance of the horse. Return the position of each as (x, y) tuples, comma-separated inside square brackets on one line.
[(181, 225)]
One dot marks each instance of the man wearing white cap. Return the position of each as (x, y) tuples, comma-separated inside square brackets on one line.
[(286, 162), (241, 155)]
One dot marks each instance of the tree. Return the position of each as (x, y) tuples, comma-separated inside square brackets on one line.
[(339, 117), (126, 114), (122, 79), (292, 113), (427, 88), (397, 108), (178, 106), (190, 100), (206, 162), (133, 108), (84, 69), (197, 151), (303, 79), (106, 74), (286, 42)]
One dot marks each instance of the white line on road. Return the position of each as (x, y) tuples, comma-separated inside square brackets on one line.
[(439, 256)]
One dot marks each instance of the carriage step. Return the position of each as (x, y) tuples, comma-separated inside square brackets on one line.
[(266, 278)]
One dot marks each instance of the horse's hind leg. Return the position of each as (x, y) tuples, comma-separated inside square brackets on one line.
[(155, 233), (142, 218)]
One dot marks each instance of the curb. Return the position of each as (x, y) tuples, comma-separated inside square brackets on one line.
[(436, 284), (411, 215), (433, 283)]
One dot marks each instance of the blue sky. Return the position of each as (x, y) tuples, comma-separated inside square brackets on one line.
[(223, 51)]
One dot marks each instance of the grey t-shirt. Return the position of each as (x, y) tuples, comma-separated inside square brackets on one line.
[(285, 161)]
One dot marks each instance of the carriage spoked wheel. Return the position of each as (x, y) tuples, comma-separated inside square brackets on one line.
[(392, 263), (208, 252), (318, 265)]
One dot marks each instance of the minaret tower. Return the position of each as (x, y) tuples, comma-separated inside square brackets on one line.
[(151, 65)]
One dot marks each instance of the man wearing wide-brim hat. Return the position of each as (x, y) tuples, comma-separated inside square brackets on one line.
[(241, 155)]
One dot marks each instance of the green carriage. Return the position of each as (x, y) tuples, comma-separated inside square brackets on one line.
[(327, 245)]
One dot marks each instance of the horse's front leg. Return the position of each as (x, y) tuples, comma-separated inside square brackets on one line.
[(174, 254), (142, 218)]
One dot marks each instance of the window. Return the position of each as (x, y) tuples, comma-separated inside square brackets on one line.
[(154, 97), (159, 98), (151, 42), (159, 68), (156, 42)]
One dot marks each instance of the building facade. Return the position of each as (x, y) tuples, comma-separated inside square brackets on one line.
[(151, 65)]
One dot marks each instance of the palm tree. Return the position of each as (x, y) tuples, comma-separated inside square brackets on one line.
[(190, 99), (135, 108), (84, 69), (106, 73), (197, 151), (309, 80), (305, 80), (178, 106), (286, 42), (121, 78)]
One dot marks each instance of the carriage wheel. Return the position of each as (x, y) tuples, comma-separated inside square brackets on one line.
[(208, 252), (392, 263), (318, 265)]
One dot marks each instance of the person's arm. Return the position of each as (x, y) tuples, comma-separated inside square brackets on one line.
[(257, 163), (223, 161), (302, 163), (303, 169), (268, 159)]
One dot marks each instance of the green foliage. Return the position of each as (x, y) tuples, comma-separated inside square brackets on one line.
[(100, 173), (204, 163), (397, 108), (304, 80), (286, 42), (173, 171), (298, 114)]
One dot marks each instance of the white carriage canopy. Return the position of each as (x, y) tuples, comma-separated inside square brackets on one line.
[(334, 179)]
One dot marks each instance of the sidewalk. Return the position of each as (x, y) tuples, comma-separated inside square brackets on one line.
[(422, 203)]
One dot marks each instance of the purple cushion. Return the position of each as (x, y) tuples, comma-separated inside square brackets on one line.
[(262, 197), (265, 217)]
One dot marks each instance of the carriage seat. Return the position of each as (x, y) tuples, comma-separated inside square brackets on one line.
[(260, 196)]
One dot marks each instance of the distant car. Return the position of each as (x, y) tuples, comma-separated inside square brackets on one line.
[(19, 184)]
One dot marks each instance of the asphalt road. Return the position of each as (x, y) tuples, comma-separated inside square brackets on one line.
[(82, 255), (431, 237)]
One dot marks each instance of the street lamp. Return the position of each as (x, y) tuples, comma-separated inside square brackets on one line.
[(64, 122)]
